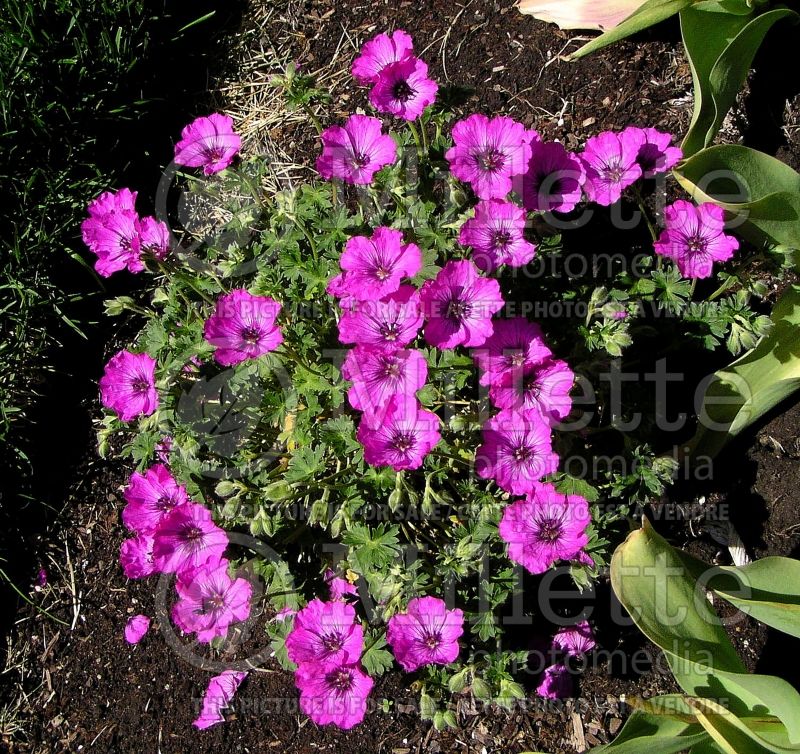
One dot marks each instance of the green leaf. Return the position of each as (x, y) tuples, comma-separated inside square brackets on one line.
[(720, 51), (760, 193), (377, 660), (752, 385), (649, 14)]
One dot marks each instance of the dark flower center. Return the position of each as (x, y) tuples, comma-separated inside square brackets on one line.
[(140, 385), (614, 172), (401, 91), (403, 442), (389, 331), (251, 335), (165, 503), (695, 245), (214, 602), (361, 159), (214, 154), (192, 533), (432, 640), (522, 453), (457, 309), (491, 160), (516, 359), (501, 239), (332, 643), (382, 273), (550, 530), (391, 369), (532, 386), (341, 680)]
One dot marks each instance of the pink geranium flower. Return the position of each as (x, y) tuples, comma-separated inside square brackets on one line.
[(655, 154), (403, 89), (373, 267), (516, 452), (496, 235), (459, 305), (163, 449), (153, 237), (187, 538), (515, 344), (426, 634), (336, 695), (543, 388), (219, 694), (110, 232), (339, 588), (136, 557), (242, 327), (378, 374), (391, 322), (209, 143), (694, 238), (401, 436), (136, 628), (611, 166), (379, 52), (545, 527), (488, 153), (150, 496), (556, 683), (575, 640), (356, 151), (128, 385), (554, 179), (209, 600), (325, 634)]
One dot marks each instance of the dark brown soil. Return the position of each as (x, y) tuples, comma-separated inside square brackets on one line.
[(99, 694)]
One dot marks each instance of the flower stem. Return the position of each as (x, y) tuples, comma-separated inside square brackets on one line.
[(645, 213), (728, 283), (313, 118), (417, 138)]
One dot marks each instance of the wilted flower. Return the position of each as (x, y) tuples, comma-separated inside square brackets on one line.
[(136, 628), (391, 322), (426, 634), (656, 155), (242, 327), (694, 238), (336, 695), (403, 89), (209, 143), (401, 436), (554, 179), (611, 166), (164, 448), (545, 527), (339, 588), (136, 557), (543, 388), (516, 452), (220, 692), (581, 14), (150, 496), (373, 267), (356, 151), (325, 634), (496, 235), (488, 153), (515, 344), (380, 51), (459, 305), (556, 683), (128, 385), (187, 538), (209, 600)]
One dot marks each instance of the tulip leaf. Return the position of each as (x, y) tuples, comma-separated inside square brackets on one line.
[(720, 52), (649, 14), (759, 192), (755, 383)]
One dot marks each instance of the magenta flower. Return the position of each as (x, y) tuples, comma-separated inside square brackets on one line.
[(515, 344), (356, 151), (242, 327), (556, 683), (110, 232), (136, 628), (136, 557), (128, 385), (496, 235), (378, 374), (575, 640), (373, 267), (611, 166), (150, 496), (543, 388), (403, 89), (391, 322), (379, 52), (339, 588), (545, 527), (123, 200), (187, 538), (209, 600), (694, 238), (426, 634), (219, 694), (516, 452), (284, 613), (554, 179), (400, 436), (336, 695), (153, 237), (655, 153), (488, 153), (164, 448), (459, 305), (325, 634), (209, 143)]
